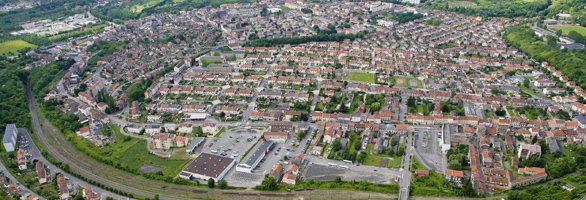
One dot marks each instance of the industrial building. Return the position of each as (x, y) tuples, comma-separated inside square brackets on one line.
[(255, 155), (207, 166)]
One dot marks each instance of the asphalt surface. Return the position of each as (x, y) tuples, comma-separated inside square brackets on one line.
[(405, 180)]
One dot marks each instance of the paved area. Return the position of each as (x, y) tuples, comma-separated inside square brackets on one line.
[(319, 169), (427, 148)]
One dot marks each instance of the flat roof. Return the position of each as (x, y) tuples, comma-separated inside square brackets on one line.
[(258, 151), (209, 165), (195, 142), (9, 132)]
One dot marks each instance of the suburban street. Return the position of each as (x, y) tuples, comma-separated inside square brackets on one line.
[(405, 180)]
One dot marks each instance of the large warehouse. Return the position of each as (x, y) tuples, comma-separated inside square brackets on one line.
[(254, 156), (207, 166)]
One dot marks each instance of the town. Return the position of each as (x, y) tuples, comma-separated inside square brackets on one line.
[(398, 96)]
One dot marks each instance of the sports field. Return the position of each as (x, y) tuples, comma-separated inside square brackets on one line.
[(567, 28), (362, 77)]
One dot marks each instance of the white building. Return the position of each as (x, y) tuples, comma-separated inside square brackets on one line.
[(9, 139), (254, 156)]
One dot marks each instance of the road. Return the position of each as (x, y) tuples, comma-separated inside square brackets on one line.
[(405, 180), (37, 155), (12, 179)]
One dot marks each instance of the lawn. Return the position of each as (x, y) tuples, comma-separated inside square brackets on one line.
[(406, 82), (362, 77), (512, 112), (371, 158), (568, 28), (131, 153), (528, 90), (12, 46), (462, 4)]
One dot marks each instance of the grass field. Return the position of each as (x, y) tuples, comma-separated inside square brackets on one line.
[(12, 46), (131, 153), (406, 82), (138, 8), (566, 29), (362, 77), (462, 4)]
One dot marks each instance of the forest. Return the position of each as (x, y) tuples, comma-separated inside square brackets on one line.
[(570, 63)]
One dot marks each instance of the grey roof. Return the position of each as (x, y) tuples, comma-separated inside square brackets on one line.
[(257, 151), (553, 144), (9, 133), (194, 142), (581, 119), (209, 165)]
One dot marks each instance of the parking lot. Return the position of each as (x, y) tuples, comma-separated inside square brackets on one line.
[(233, 143), (290, 149), (427, 146)]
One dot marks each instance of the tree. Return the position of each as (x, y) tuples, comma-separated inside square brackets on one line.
[(338, 179), (306, 10), (211, 183), (268, 184), (336, 145), (362, 156), (198, 132), (222, 184), (301, 134), (264, 12)]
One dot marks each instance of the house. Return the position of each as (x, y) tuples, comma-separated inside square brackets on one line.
[(526, 150), (208, 166), (84, 131), (455, 176), (293, 168), (531, 170), (21, 159), (163, 141), (9, 138), (185, 128), (277, 137), (289, 178), (548, 91), (421, 172), (89, 194), (276, 172), (210, 128), (41, 172), (63, 187)]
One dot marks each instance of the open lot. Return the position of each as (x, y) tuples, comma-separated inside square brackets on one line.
[(12, 46), (362, 77), (407, 82), (325, 172)]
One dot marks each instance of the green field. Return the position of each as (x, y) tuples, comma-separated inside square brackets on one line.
[(131, 153), (362, 77), (12, 46), (567, 29), (406, 82), (462, 4)]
